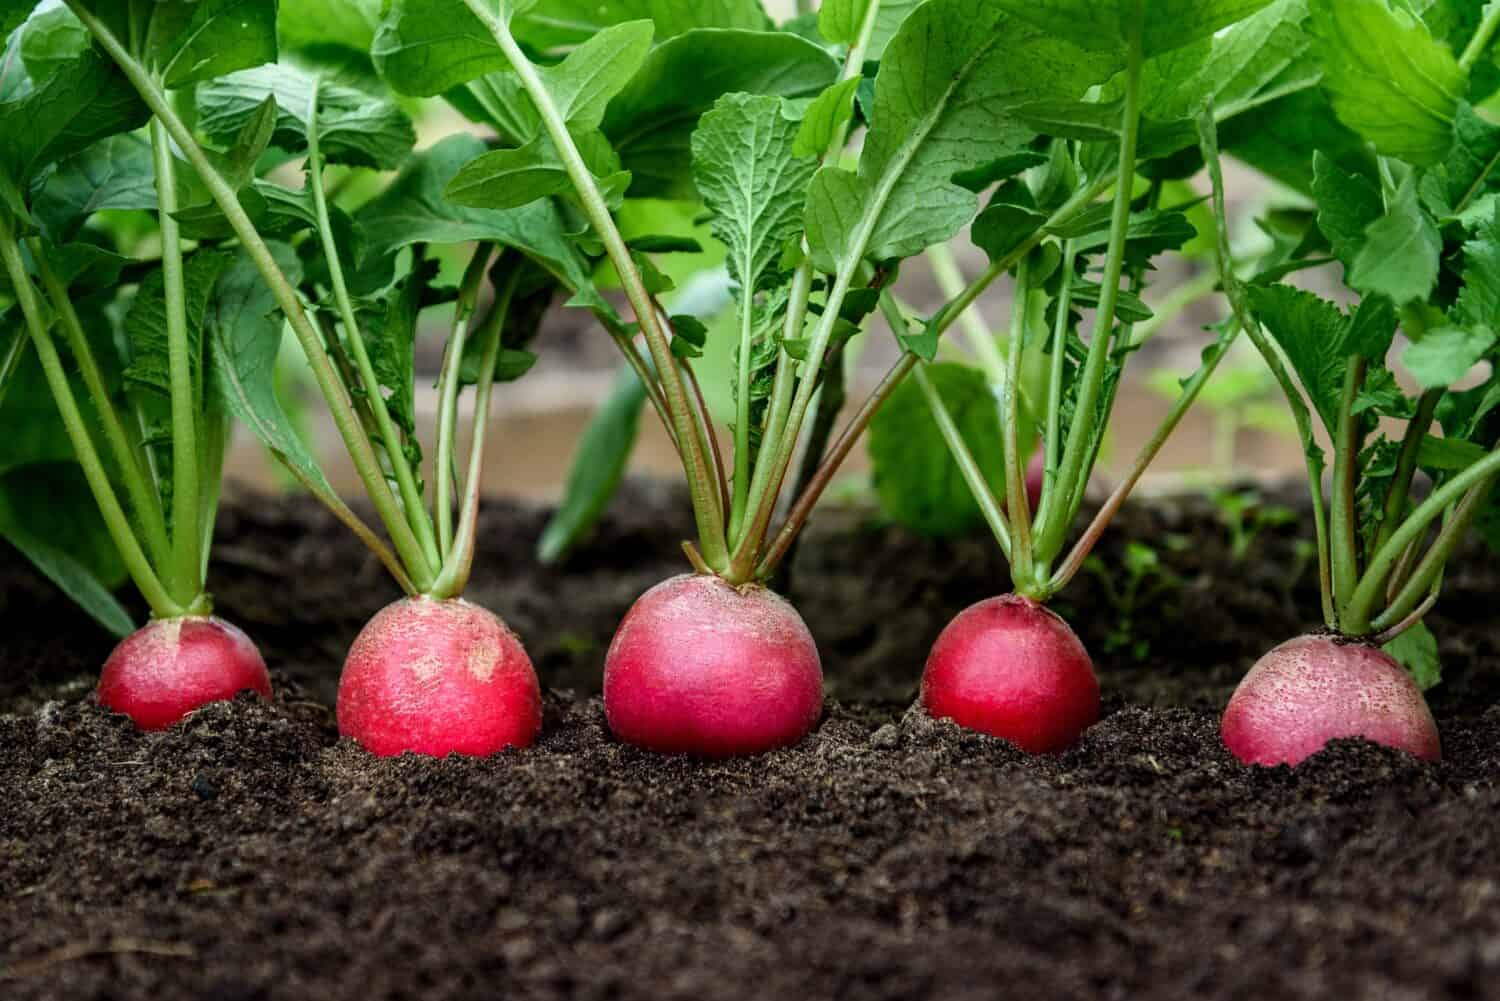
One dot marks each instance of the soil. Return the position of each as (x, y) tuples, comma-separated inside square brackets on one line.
[(249, 853)]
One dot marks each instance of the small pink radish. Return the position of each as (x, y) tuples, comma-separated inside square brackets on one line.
[(701, 667), (1314, 689), (170, 667), (1010, 668), (438, 678)]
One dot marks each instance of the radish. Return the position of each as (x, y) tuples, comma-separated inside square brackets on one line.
[(437, 678), (170, 667), (1314, 689), (1011, 668), (701, 667)]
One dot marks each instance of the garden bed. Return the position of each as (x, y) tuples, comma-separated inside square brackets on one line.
[(248, 853)]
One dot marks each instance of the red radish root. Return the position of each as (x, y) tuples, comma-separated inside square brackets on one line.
[(170, 667), (1010, 668), (438, 678), (1314, 689), (701, 667)]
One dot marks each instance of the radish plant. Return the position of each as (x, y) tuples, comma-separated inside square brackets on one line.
[(756, 124), (1403, 176), (431, 673), (1009, 666), (131, 400)]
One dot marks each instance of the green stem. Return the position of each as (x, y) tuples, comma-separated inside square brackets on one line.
[(782, 387), (455, 575), (903, 366), (448, 386), (1399, 491), (705, 492), (1312, 459), (1344, 538), (761, 503), (187, 557), (1017, 503), (1117, 497), (1426, 578), (163, 604), (145, 500), (837, 453), (951, 281), (361, 451), (1059, 357), (411, 498), (989, 505), (1482, 38), (10, 362), (1479, 476), (1174, 305), (742, 415), (1081, 434)]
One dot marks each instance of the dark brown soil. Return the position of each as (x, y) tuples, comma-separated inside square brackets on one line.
[(249, 854)]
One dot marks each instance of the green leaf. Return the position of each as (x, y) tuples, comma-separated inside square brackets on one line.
[(1006, 222), (584, 83), (1445, 355), (751, 182), (652, 120), (146, 322), (1388, 78), (115, 173), (390, 333), (552, 23), (12, 14), (190, 41), (942, 98), (830, 111), (349, 23), (413, 209), (34, 432), (916, 477), (511, 178), (1258, 60), (1479, 301), (426, 47), (357, 125), (1401, 253), (1280, 138), (48, 514), (53, 37), (840, 22), (599, 462), (1109, 25), (1448, 454), (243, 330), (1348, 205), (1148, 234), (82, 101), (1453, 189), (1417, 651), (1314, 335)]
